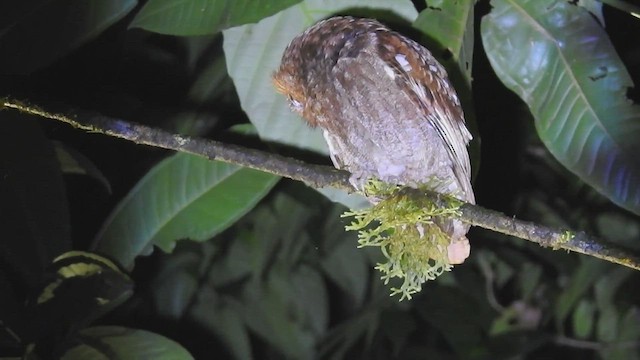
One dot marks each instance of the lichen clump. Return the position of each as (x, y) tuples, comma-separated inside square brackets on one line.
[(403, 227)]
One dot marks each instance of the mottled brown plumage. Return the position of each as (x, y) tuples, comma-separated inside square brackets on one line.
[(386, 108)]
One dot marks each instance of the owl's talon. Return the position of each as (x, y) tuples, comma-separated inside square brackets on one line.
[(458, 251), (358, 180)]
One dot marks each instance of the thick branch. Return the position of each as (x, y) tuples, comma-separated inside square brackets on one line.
[(318, 176)]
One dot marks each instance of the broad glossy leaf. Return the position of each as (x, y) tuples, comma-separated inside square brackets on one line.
[(115, 342), (184, 196), (253, 53), (559, 60), (35, 33), (202, 17)]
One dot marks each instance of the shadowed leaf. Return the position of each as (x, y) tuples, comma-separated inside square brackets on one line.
[(35, 33), (559, 60)]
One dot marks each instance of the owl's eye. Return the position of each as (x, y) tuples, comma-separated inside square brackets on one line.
[(295, 104)]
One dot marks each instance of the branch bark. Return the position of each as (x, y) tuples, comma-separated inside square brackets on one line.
[(318, 176)]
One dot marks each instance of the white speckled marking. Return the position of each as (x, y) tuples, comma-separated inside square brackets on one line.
[(390, 72), (404, 64)]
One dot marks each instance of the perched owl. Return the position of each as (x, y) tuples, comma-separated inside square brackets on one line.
[(386, 108)]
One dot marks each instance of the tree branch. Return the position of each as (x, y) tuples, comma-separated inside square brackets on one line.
[(318, 176)]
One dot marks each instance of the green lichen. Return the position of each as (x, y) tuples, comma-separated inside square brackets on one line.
[(566, 237), (403, 227)]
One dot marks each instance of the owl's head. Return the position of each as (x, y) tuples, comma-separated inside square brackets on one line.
[(287, 81), (307, 61)]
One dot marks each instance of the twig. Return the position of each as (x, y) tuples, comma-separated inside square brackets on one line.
[(319, 176), (316, 176)]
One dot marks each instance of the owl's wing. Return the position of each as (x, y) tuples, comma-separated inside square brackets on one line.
[(435, 96), (377, 119)]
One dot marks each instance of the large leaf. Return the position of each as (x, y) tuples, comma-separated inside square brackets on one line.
[(114, 342), (253, 53), (184, 196), (559, 60), (201, 17), (35, 33), (80, 287)]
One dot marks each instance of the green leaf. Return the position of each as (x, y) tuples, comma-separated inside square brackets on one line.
[(583, 278), (80, 288), (220, 315), (348, 268), (310, 296), (607, 325), (253, 53), (202, 17), (115, 342), (178, 278), (529, 279), (73, 162), (35, 33), (594, 7), (557, 58), (608, 286), (278, 318), (173, 292), (583, 319), (184, 196)]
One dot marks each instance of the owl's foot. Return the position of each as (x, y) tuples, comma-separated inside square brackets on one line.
[(458, 251), (358, 180)]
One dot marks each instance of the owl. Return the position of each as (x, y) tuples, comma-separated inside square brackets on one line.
[(386, 108)]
